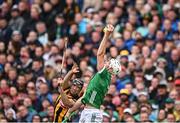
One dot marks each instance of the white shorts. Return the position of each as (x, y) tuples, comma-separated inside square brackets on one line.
[(91, 115)]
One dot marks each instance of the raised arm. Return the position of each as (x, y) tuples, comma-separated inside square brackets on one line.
[(67, 78), (102, 48), (65, 100)]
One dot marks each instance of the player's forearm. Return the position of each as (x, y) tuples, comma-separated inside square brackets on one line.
[(102, 47), (67, 78), (76, 106), (65, 99)]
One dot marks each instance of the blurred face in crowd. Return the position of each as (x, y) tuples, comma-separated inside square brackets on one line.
[(21, 80), (135, 50), (138, 79), (159, 35), (2, 59), (96, 37), (10, 58), (127, 35), (5, 7), (159, 48), (22, 6), (54, 83), (12, 74), (14, 13), (145, 51), (13, 91), (73, 29), (130, 120), (118, 11), (171, 118), (152, 28), (140, 87), (41, 27), (167, 24), (9, 114), (132, 19), (32, 36), (112, 89), (17, 37), (27, 102), (148, 63), (154, 55), (7, 102), (54, 96), (32, 94), (24, 55), (144, 117), (177, 105), (78, 17), (47, 6), (131, 66), (142, 98), (119, 42), (83, 65), (175, 55), (161, 115), (173, 94), (129, 87), (34, 12), (2, 46), (154, 82), (4, 84), (36, 119), (30, 86), (169, 106), (3, 23), (162, 91), (22, 110), (76, 50), (134, 107), (107, 4), (43, 88), (36, 65), (38, 51), (45, 103), (7, 67), (113, 52), (59, 20), (50, 111)]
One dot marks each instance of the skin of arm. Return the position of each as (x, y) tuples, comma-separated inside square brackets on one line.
[(76, 105), (68, 76), (67, 102), (64, 83), (102, 48)]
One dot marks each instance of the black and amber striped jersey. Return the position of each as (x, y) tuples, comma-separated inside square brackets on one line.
[(59, 109)]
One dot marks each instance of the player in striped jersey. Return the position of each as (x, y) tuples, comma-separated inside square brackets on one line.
[(68, 94)]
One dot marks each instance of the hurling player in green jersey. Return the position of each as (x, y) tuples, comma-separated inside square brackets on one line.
[(98, 86)]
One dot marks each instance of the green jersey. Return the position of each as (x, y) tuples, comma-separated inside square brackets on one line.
[(97, 89)]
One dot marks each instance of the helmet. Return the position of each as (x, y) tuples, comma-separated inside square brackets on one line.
[(116, 66), (78, 82)]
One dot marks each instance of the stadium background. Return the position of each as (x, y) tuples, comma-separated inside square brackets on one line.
[(146, 40)]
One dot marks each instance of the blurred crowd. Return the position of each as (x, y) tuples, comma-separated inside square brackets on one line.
[(146, 40)]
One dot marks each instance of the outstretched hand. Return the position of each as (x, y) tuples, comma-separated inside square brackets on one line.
[(75, 68), (108, 29), (60, 81)]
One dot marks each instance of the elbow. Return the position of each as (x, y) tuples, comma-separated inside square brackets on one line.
[(100, 54), (69, 105)]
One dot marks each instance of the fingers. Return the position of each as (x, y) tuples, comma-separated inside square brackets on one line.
[(110, 27)]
